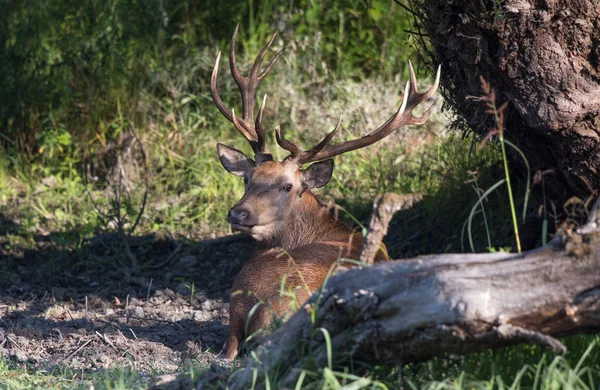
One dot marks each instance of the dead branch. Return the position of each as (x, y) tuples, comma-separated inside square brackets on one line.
[(384, 208)]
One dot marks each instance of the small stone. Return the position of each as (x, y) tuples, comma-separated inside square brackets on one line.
[(136, 311), (208, 305), (202, 316)]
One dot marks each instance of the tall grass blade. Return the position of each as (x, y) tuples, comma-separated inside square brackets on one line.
[(328, 346), (528, 182), (483, 196), (300, 380), (510, 193)]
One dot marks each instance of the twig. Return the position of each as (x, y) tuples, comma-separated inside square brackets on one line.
[(407, 8), (133, 333), (15, 343), (129, 253), (125, 352), (79, 349), (106, 340), (149, 287), (122, 335), (89, 194)]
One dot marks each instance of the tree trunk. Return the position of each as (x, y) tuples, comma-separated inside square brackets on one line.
[(412, 310), (541, 56)]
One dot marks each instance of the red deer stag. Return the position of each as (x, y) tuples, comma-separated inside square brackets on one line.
[(279, 209)]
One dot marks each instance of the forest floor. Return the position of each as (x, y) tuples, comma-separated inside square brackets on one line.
[(58, 312)]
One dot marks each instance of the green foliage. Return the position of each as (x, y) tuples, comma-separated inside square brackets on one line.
[(355, 37), (73, 67), (76, 76)]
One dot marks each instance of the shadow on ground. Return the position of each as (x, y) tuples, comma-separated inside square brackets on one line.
[(152, 303)]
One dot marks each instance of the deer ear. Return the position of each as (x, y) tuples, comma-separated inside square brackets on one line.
[(234, 161), (317, 175)]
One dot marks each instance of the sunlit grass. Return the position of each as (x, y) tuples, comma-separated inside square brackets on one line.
[(13, 378)]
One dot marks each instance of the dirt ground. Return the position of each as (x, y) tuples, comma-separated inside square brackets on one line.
[(87, 307)]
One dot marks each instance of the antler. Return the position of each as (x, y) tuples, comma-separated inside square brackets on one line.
[(251, 129), (412, 98)]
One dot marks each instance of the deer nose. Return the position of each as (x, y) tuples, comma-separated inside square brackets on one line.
[(237, 216)]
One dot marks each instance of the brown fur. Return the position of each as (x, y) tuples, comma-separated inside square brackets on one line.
[(305, 249)]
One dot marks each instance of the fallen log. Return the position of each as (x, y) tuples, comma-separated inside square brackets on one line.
[(413, 310)]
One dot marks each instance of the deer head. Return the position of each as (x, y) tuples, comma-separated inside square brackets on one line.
[(274, 190)]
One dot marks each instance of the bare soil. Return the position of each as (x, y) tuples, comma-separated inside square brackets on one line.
[(86, 307)]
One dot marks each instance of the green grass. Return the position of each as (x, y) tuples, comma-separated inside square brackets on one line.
[(12, 378), (521, 367)]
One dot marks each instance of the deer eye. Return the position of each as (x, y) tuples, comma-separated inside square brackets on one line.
[(287, 187), (245, 179)]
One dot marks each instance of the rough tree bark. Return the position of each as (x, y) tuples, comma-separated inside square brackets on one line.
[(412, 310), (541, 56)]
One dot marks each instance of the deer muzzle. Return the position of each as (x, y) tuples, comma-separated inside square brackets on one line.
[(240, 219)]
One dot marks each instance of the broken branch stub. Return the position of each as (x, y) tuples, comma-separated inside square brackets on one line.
[(384, 208)]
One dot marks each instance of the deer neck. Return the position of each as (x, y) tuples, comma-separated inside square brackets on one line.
[(311, 222)]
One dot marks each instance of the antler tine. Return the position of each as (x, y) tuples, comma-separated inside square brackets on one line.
[(235, 71), (296, 151), (402, 117), (214, 92), (271, 63), (292, 147), (260, 132), (249, 127), (259, 59), (419, 97), (306, 156), (250, 137)]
